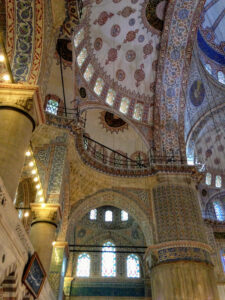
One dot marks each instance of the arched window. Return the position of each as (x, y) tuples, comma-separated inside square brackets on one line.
[(108, 216), (108, 260), (83, 265), (124, 215), (52, 106), (219, 210), (93, 214), (221, 77), (133, 266), (223, 259), (208, 179), (208, 68), (218, 181)]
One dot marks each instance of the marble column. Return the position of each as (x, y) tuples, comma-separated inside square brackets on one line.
[(43, 230), (179, 262), (19, 112), (57, 270)]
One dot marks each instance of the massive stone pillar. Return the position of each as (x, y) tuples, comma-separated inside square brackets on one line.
[(179, 263), (43, 230), (20, 109)]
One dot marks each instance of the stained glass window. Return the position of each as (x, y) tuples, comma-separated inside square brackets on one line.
[(111, 95), (138, 110), (133, 266), (81, 57), (208, 179), (108, 216), (52, 106), (93, 214), (83, 265), (221, 77), (208, 68), (89, 73), (108, 260), (124, 215), (99, 86), (85, 140), (218, 207), (218, 181), (78, 38), (124, 105)]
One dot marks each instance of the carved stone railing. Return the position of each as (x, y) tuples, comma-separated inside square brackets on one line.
[(104, 159)]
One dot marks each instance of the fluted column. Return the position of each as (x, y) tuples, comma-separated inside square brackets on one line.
[(46, 218), (20, 110), (179, 262)]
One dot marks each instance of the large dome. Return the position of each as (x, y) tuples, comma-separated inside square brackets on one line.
[(211, 38)]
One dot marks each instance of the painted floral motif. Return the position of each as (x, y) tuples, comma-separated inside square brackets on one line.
[(115, 30), (112, 54), (141, 38), (116, 1), (98, 1), (131, 35), (147, 49), (103, 18), (130, 55), (132, 22), (120, 75), (98, 44), (139, 75), (126, 12)]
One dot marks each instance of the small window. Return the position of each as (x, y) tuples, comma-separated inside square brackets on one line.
[(124, 105), (208, 179), (124, 215), (78, 38), (218, 182), (93, 214), (223, 259), (138, 110), (219, 211), (111, 95), (221, 77), (208, 68), (133, 266), (88, 73), (81, 57), (83, 265), (108, 216), (109, 260), (52, 106), (99, 86)]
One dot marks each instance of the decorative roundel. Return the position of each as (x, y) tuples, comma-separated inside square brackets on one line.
[(132, 22), (208, 153), (98, 44), (130, 55), (220, 148), (120, 75), (141, 38), (115, 30), (197, 93)]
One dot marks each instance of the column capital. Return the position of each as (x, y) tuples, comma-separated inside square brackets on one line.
[(46, 212), (24, 99)]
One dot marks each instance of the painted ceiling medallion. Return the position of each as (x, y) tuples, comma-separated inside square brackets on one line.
[(112, 122), (197, 93), (112, 54), (103, 18)]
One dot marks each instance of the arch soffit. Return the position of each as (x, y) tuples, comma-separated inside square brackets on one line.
[(173, 69), (139, 129), (113, 198), (214, 196), (200, 124)]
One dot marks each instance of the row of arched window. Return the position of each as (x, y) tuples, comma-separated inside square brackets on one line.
[(108, 263), (108, 215), (218, 180)]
